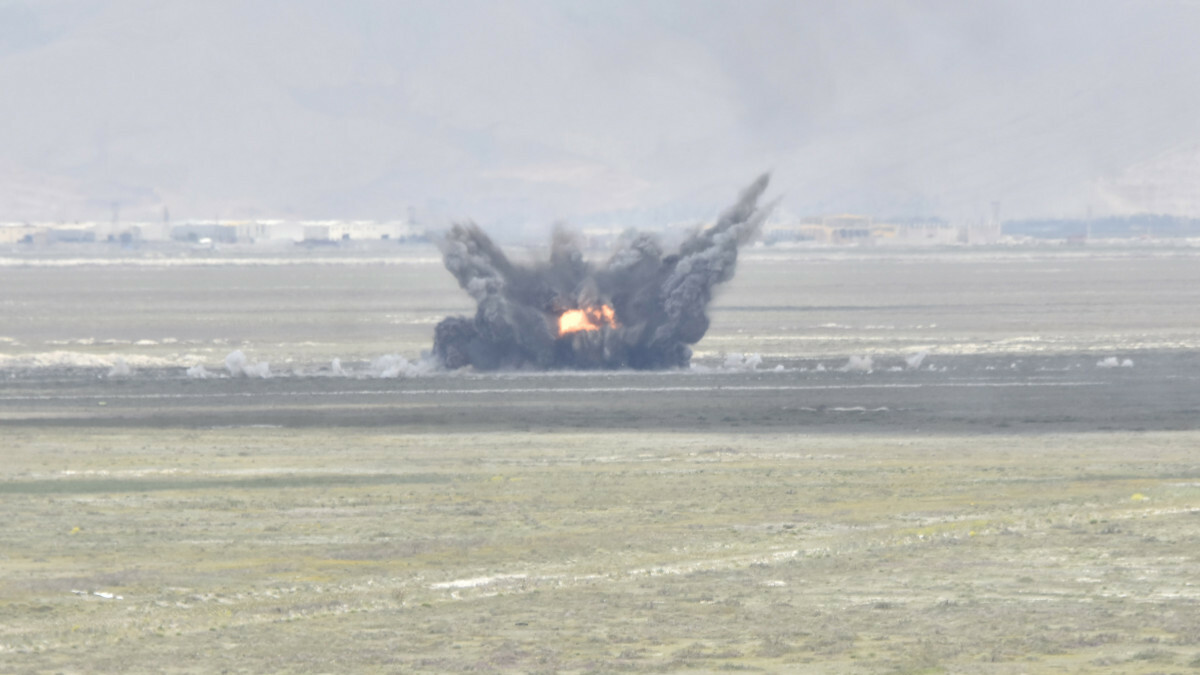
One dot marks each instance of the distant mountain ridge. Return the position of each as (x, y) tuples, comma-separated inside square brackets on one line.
[(522, 114)]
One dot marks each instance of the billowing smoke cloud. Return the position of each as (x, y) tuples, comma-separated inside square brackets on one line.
[(641, 309)]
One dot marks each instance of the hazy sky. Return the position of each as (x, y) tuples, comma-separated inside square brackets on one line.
[(522, 112)]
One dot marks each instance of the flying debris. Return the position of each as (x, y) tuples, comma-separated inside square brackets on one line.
[(640, 309)]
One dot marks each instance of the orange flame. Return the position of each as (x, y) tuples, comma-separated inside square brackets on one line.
[(593, 318)]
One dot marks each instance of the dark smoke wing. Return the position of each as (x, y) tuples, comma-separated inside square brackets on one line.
[(660, 301)]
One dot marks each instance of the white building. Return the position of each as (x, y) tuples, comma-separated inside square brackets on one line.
[(15, 233)]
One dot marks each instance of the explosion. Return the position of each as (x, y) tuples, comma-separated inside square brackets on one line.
[(640, 309), (574, 320)]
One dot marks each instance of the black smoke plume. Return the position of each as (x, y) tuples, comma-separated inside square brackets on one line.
[(659, 300)]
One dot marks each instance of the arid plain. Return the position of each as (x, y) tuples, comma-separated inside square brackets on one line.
[(966, 460)]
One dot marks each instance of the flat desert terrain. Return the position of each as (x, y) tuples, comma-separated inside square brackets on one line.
[(959, 461)]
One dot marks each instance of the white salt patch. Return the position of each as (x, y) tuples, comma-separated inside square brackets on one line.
[(59, 358), (238, 366), (394, 365), (859, 408), (859, 364), (65, 359), (234, 361), (260, 369), (743, 361), (476, 582), (120, 369)]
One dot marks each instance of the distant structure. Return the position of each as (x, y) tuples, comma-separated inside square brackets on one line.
[(1142, 226), (851, 229), (15, 233), (247, 232)]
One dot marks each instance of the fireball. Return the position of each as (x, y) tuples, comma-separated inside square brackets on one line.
[(591, 318)]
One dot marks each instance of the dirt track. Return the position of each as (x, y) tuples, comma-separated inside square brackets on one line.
[(971, 395)]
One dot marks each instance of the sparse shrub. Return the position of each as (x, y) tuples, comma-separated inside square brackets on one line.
[(774, 646), (1155, 654), (834, 642)]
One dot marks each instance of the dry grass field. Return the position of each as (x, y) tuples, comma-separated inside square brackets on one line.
[(268, 550)]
